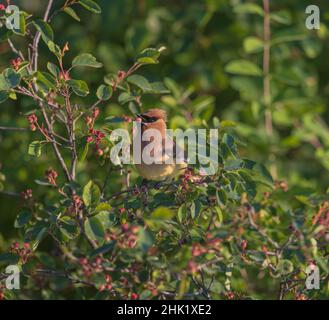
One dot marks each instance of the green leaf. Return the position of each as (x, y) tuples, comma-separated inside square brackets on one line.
[(104, 92), (103, 207), (283, 17), (243, 67), (159, 88), (69, 228), (94, 229), (219, 215), (262, 173), (182, 213), (3, 96), (72, 13), (162, 213), (221, 197), (253, 44), (85, 151), (5, 34), (86, 60), (140, 82), (149, 56), (195, 209), (9, 79), (91, 194), (230, 143), (251, 8), (53, 69), (46, 81), (145, 239), (90, 5), (125, 97), (22, 219), (36, 234), (47, 33), (7, 259), (79, 87), (35, 149), (102, 250)]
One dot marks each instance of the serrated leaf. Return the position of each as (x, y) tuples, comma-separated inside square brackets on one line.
[(90, 5), (86, 60), (79, 87), (91, 194), (140, 82)]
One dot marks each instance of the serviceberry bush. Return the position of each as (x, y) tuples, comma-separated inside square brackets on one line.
[(90, 229)]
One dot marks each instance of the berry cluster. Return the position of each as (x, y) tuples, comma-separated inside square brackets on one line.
[(27, 194), (16, 63), (95, 136), (90, 267), (108, 284), (33, 121), (129, 237), (77, 202), (24, 252), (51, 176)]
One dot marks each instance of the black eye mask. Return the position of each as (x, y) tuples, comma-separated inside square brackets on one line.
[(147, 119)]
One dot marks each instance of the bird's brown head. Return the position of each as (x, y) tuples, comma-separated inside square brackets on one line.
[(154, 119), (153, 115)]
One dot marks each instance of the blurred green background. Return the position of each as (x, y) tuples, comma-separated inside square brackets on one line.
[(201, 37)]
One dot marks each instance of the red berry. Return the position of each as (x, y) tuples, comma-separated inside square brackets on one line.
[(134, 296)]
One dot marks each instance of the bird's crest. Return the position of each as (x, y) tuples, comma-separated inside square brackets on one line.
[(157, 114)]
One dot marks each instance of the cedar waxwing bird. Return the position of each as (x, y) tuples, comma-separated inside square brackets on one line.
[(162, 150)]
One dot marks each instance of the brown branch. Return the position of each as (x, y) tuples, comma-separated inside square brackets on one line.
[(37, 37), (266, 68), (13, 129)]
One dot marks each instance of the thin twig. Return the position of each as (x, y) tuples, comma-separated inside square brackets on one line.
[(37, 37), (13, 129)]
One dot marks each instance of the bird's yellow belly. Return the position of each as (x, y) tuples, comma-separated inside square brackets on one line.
[(159, 172)]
